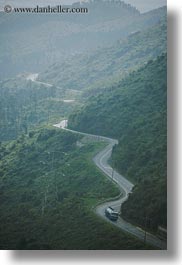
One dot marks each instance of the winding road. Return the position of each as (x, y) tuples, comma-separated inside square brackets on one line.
[(101, 161), (33, 78)]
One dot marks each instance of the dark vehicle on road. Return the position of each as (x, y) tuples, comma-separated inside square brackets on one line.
[(111, 214)]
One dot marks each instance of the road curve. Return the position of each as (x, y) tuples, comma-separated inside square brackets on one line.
[(101, 161), (33, 78)]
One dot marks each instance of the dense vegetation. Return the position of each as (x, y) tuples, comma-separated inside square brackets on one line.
[(135, 113), (109, 64), (104, 75), (25, 104), (44, 39), (48, 186)]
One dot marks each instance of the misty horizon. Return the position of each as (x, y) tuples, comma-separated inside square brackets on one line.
[(141, 5)]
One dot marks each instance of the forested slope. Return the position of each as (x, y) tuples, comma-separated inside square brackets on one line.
[(109, 64), (135, 113), (44, 39), (48, 186), (25, 104)]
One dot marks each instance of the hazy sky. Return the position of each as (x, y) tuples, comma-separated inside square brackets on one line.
[(142, 5)]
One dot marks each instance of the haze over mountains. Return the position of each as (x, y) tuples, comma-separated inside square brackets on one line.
[(32, 42), (109, 63), (141, 5), (105, 72), (134, 111), (145, 6), (97, 67)]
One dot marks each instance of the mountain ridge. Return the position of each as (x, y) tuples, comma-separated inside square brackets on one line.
[(135, 113), (44, 39), (121, 58)]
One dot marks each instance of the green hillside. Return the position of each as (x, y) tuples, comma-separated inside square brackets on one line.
[(96, 69), (135, 112), (25, 105), (104, 71), (44, 39), (48, 186)]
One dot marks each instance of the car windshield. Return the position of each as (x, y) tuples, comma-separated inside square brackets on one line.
[(115, 214)]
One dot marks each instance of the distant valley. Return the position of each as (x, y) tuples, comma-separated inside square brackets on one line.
[(106, 73)]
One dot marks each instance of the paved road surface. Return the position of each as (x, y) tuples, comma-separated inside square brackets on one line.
[(101, 161), (33, 78)]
